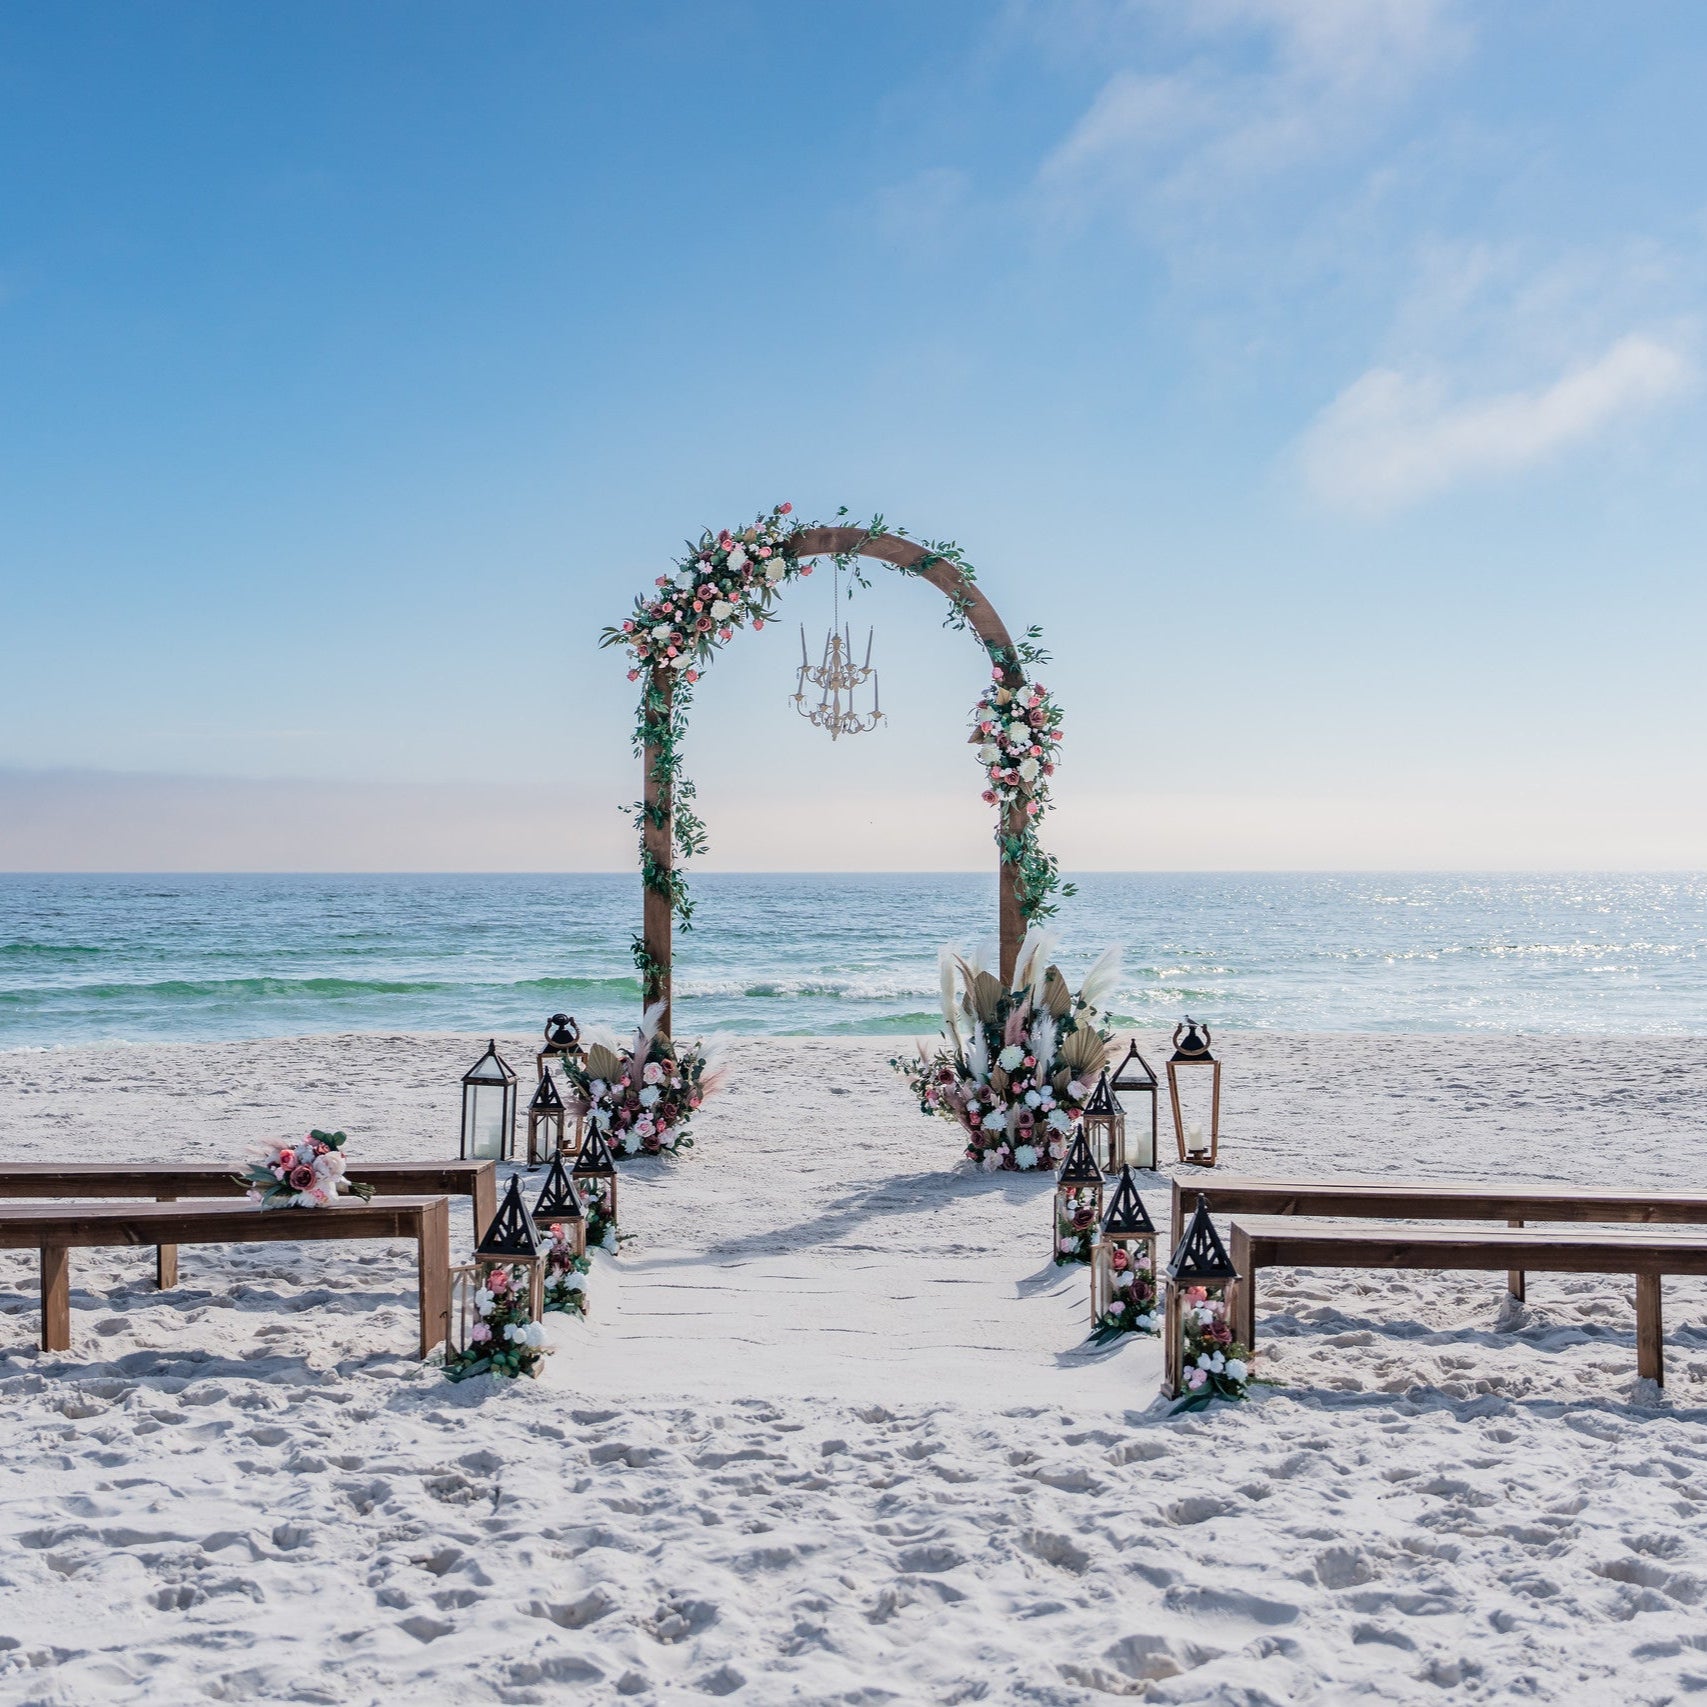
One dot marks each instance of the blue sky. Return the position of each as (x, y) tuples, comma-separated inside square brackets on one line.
[(1325, 378)]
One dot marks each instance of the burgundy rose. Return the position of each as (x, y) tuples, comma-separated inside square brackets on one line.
[(302, 1177)]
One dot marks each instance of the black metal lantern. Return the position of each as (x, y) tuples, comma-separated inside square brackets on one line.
[(1078, 1203), (1191, 1055), (559, 1204), (1200, 1261), (546, 1111), (489, 1108), (1104, 1127), (1136, 1075), (594, 1175), (1123, 1263)]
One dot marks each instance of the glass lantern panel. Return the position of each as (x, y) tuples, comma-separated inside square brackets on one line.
[(1196, 1104), (483, 1123)]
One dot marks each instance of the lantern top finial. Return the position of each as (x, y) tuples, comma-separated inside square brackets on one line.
[(1200, 1259), (1194, 1044), (512, 1233), (1102, 1099), (1079, 1167), (558, 1198), (1126, 1214), (1134, 1073), (596, 1158), (490, 1069)]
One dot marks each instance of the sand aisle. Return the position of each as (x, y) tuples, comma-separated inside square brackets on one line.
[(833, 1435)]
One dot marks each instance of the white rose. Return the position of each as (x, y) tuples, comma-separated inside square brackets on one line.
[(1032, 1099), (1204, 1364), (1236, 1370), (1122, 1280), (511, 1332), (1028, 769), (1217, 1361), (536, 1333), (649, 1096), (1075, 1090), (737, 560), (1025, 1156), (1147, 1323), (608, 1242), (574, 1283), (1010, 1057), (989, 1161), (721, 610)]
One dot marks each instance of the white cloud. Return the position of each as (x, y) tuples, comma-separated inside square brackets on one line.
[(1390, 438), (1286, 82)]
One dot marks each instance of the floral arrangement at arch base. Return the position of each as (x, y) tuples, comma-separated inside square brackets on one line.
[(642, 1092), (1015, 1068), (1075, 1225), (505, 1340), (1132, 1309), (565, 1273), (1216, 1365), (308, 1174)]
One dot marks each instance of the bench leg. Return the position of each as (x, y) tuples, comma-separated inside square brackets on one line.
[(1650, 1344), (56, 1298), (1243, 1311), (1514, 1276), (165, 1259), (432, 1259)]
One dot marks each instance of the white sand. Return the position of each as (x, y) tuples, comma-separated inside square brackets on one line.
[(833, 1435)]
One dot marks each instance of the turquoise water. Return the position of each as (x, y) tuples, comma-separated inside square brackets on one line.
[(207, 957)]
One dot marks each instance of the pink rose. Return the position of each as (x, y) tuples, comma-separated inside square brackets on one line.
[(481, 1333), (785, 509)]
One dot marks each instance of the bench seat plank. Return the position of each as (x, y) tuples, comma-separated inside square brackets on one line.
[(57, 1229), (1292, 1243)]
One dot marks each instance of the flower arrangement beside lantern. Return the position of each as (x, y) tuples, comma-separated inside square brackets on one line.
[(1132, 1296), (565, 1268), (308, 1174), (504, 1340), (640, 1094), (1015, 1067), (1216, 1365)]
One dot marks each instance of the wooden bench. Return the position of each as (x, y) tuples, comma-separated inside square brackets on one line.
[(167, 1184), (1419, 1200), (57, 1230), (1320, 1244)]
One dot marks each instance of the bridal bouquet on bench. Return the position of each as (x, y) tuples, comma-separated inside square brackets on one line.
[(308, 1174)]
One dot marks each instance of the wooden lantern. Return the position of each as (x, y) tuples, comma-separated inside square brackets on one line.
[(562, 1042), (512, 1241), (1078, 1203), (559, 1204), (1136, 1075), (1104, 1127), (547, 1121), (594, 1176), (1191, 1054), (1199, 1260), (489, 1109), (1123, 1262)]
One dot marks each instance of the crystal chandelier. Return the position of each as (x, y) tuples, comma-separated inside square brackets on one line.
[(836, 677)]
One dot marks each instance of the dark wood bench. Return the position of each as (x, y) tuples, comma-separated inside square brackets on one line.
[(1419, 1200), (56, 1230), (1256, 1245), (167, 1184)]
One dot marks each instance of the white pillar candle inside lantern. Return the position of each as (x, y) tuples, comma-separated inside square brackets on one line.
[(489, 1108), (1194, 1094)]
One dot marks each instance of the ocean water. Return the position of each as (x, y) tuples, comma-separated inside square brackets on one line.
[(208, 957)]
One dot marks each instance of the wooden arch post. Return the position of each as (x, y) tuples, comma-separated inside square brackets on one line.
[(658, 918)]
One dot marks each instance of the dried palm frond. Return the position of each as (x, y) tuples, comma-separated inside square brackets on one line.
[(603, 1062), (986, 993), (1057, 998), (1084, 1051), (999, 1080)]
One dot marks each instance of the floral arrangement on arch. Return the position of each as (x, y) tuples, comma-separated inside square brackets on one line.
[(1216, 1366), (308, 1174), (1020, 728), (642, 1093), (1015, 1067), (565, 1272), (1132, 1309), (505, 1340)]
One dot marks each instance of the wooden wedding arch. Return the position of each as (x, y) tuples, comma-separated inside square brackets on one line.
[(658, 818)]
